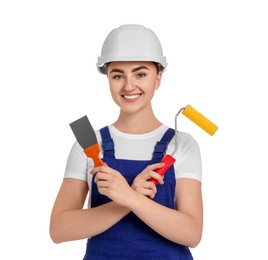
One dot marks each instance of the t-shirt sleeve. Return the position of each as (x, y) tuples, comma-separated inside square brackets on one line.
[(77, 163), (188, 158)]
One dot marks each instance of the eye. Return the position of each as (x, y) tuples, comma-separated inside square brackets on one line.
[(117, 76), (141, 75)]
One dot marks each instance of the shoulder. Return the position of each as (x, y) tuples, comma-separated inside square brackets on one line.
[(182, 141), (186, 140), (187, 154)]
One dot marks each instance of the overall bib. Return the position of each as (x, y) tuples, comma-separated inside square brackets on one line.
[(130, 238)]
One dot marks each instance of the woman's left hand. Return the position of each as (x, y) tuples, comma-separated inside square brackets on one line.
[(141, 183), (112, 184)]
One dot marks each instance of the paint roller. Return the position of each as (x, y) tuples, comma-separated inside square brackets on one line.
[(197, 118)]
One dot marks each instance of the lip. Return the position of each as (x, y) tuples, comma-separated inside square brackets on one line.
[(131, 97)]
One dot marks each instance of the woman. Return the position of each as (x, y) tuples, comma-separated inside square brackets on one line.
[(128, 216)]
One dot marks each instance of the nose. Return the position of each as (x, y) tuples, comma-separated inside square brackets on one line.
[(129, 84)]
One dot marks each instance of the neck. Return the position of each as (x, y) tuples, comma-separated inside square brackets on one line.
[(137, 123)]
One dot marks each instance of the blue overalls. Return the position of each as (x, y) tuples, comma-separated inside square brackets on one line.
[(130, 238)]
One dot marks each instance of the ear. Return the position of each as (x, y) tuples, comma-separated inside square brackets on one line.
[(158, 80)]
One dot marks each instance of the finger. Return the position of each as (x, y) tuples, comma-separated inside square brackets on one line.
[(102, 191), (150, 186), (148, 189), (155, 166), (102, 184), (103, 168), (146, 192), (151, 195), (157, 177), (100, 176), (151, 192)]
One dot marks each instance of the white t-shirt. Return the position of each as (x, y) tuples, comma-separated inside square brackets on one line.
[(139, 147)]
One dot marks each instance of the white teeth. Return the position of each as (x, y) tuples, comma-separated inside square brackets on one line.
[(131, 96)]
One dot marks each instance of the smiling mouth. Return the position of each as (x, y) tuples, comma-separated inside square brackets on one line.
[(131, 97)]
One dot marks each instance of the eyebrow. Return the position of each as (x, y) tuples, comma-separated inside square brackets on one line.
[(134, 70), (139, 68)]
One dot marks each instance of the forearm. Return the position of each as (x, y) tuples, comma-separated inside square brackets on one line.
[(174, 225), (84, 223)]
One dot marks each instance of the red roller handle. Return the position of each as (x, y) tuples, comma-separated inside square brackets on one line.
[(168, 160)]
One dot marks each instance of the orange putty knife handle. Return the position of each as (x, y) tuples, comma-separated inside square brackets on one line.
[(93, 152)]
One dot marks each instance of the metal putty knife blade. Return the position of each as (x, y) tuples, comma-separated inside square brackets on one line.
[(84, 133)]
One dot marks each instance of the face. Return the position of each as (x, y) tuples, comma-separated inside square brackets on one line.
[(132, 84)]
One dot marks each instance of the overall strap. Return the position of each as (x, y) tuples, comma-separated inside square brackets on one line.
[(161, 146), (107, 142)]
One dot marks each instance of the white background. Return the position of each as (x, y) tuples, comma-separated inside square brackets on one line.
[(218, 62)]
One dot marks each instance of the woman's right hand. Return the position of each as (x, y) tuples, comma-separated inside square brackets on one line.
[(145, 187)]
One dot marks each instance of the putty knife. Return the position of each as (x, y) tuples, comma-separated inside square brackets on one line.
[(86, 137)]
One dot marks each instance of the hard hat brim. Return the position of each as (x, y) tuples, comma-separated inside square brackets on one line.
[(101, 64)]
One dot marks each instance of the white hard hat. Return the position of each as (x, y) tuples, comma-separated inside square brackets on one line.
[(131, 42)]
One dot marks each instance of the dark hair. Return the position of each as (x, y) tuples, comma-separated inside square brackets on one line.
[(158, 66)]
